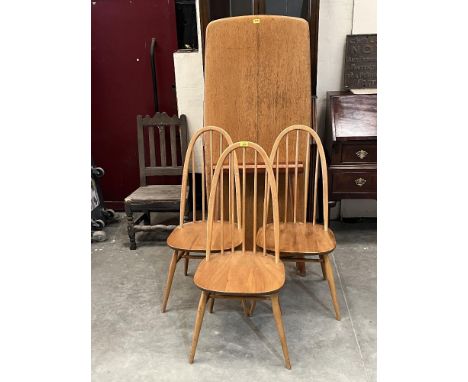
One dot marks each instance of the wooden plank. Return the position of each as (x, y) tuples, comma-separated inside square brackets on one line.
[(151, 146), (270, 87), (162, 145), (257, 83), (160, 118), (172, 130), (261, 166), (163, 171), (141, 150), (231, 65), (284, 86), (183, 136)]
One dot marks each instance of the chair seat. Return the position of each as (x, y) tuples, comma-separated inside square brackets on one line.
[(299, 238), (240, 273), (158, 193), (192, 236)]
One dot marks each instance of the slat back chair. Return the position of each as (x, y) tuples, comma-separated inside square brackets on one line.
[(159, 124), (156, 198), (245, 273), (188, 239), (303, 241)]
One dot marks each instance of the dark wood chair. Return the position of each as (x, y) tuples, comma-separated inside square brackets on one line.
[(244, 274), (302, 241), (156, 198)]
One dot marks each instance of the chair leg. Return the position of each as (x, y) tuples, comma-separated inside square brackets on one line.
[(198, 324), (331, 284), (253, 303), (186, 264), (147, 218), (300, 268), (130, 228), (244, 307), (211, 304), (279, 326), (322, 264), (170, 277)]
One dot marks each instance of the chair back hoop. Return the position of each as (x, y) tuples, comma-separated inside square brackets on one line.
[(159, 122), (319, 157), (269, 179), (207, 168)]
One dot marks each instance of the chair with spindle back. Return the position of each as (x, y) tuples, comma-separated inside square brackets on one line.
[(156, 198), (188, 239), (301, 240), (241, 274)]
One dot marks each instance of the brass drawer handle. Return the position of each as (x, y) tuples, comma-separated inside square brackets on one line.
[(361, 154), (360, 182)]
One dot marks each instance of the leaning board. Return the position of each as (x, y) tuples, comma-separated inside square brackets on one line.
[(257, 81), (257, 76)]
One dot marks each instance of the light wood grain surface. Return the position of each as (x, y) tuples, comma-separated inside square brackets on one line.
[(257, 76), (192, 236), (299, 238), (257, 82), (240, 273)]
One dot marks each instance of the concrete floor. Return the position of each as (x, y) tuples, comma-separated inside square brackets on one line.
[(133, 341)]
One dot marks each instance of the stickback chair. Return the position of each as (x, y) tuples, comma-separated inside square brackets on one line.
[(301, 240), (241, 274), (156, 198), (190, 237)]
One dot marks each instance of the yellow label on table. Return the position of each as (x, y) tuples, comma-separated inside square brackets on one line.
[(256, 21)]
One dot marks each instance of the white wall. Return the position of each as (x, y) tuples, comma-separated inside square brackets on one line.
[(189, 89), (337, 19), (365, 16), (335, 22)]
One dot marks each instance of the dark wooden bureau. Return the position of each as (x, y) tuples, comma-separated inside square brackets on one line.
[(351, 145)]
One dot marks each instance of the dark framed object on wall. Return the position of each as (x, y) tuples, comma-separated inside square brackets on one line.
[(307, 9), (186, 21)]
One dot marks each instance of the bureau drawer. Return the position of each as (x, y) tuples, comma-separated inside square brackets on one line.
[(356, 152), (359, 153), (353, 182)]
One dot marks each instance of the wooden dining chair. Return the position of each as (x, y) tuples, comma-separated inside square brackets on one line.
[(302, 241), (241, 274), (160, 197), (188, 239)]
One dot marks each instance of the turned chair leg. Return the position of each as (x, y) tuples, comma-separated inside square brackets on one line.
[(331, 284), (322, 264), (211, 304), (186, 265), (301, 268), (147, 218), (198, 324), (253, 303), (130, 228), (244, 307), (279, 326), (170, 277)]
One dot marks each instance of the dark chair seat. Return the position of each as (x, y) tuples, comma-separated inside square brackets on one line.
[(159, 193), (157, 197), (163, 197), (239, 273)]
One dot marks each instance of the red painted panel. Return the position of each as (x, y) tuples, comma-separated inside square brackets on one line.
[(121, 84)]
